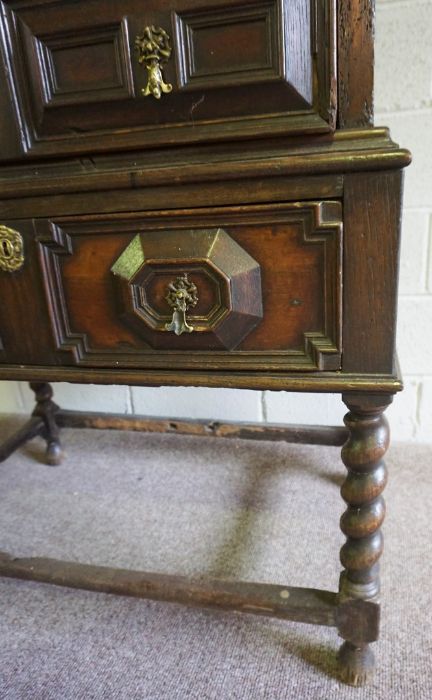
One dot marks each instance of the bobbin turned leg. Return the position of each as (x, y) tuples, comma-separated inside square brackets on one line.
[(42, 422), (46, 409), (362, 455)]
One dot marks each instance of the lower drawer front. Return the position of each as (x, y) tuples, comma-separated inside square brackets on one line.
[(256, 288)]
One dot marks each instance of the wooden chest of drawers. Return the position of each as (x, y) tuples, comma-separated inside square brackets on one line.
[(77, 72), (194, 194)]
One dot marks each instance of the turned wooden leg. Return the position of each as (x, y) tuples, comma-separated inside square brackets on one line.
[(362, 455), (46, 409), (42, 422)]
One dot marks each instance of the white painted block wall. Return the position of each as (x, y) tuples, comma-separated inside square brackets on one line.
[(403, 98), (403, 101)]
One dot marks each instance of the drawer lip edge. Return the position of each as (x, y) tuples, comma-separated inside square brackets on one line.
[(327, 382), (317, 164)]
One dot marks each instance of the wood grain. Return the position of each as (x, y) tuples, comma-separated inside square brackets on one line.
[(309, 435), (361, 522), (307, 605), (245, 138), (346, 151), (23, 308), (79, 85), (331, 382), (371, 259), (356, 62), (297, 246)]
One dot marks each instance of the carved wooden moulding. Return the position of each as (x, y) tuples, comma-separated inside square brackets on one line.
[(224, 70), (194, 289)]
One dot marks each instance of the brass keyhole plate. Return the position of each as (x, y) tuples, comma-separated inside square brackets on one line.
[(11, 249)]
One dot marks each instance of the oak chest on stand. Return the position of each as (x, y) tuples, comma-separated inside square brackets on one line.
[(194, 193)]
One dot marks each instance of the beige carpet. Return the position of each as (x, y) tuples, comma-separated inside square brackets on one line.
[(256, 511)]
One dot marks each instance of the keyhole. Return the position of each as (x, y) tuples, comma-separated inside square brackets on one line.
[(6, 248)]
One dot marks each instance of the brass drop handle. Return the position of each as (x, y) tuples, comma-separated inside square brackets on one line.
[(154, 49), (182, 295), (11, 250)]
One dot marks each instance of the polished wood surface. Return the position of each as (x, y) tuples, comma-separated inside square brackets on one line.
[(154, 271), (320, 382), (237, 69), (298, 250), (362, 489), (249, 164), (240, 158), (68, 247), (371, 262)]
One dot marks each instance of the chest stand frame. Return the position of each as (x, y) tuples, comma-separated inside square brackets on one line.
[(354, 610)]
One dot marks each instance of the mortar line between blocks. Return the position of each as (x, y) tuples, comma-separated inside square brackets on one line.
[(131, 402), (20, 397), (419, 395), (429, 257), (412, 112), (264, 413)]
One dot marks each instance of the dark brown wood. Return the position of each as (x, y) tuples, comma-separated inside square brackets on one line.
[(358, 620), (324, 36), (356, 28), (23, 307), (263, 130), (299, 604), (157, 198), (237, 69), (363, 457), (47, 410), (308, 435), (328, 382), (371, 258), (346, 151), (225, 278), (307, 605), (297, 248)]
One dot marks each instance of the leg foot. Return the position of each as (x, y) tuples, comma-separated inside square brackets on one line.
[(54, 454), (357, 663)]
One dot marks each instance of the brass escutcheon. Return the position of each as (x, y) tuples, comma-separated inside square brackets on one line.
[(182, 295), (11, 249), (154, 49)]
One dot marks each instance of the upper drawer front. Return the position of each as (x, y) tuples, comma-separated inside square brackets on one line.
[(163, 71), (237, 288)]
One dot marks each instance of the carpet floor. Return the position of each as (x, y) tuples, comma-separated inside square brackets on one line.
[(232, 509)]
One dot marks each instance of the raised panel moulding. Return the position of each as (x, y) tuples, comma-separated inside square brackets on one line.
[(229, 46), (101, 335), (227, 281), (102, 51)]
